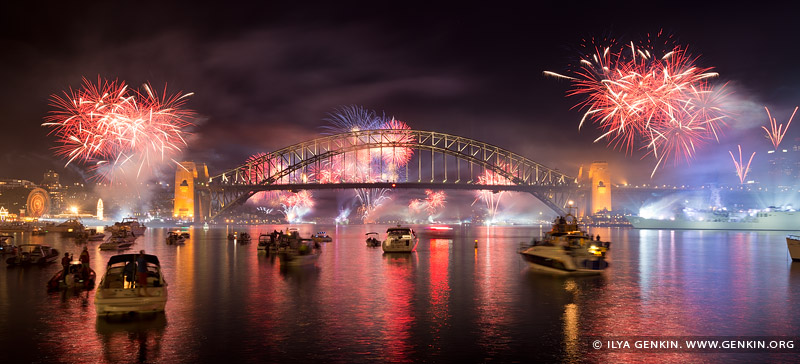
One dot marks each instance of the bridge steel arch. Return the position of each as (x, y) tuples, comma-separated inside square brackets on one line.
[(438, 160)]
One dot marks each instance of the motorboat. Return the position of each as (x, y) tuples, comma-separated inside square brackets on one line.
[(120, 240), (566, 250), (89, 235), (38, 230), (438, 232), (321, 237), (793, 243), (372, 240), (243, 237), (96, 236), (77, 277), (132, 224), (399, 240), (116, 244), (5, 246), (119, 293), (33, 254), (231, 236), (15, 226), (300, 252), (185, 235), (174, 237), (70, 228), (266, 241)]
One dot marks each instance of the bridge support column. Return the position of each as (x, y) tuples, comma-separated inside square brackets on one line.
[(601, 186), (189, 204)]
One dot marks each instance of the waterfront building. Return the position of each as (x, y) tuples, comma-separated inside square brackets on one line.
[(52, 185)]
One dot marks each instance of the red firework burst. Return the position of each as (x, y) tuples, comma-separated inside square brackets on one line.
[(638, 99), (111, 125), (398, 156)]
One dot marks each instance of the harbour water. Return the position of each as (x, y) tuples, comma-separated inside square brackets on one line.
[(447, 301)]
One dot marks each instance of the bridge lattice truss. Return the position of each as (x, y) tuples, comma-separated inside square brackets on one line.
[(389, 159)]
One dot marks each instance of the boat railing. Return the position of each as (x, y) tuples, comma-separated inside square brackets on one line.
[(793, 237)]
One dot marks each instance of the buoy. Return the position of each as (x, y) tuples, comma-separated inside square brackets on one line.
[(476, 243)]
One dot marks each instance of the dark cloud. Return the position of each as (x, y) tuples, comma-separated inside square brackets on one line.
[(265, 75)]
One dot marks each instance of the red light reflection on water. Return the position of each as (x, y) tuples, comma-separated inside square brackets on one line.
[(397, 316), (493, 291), (439, 285)]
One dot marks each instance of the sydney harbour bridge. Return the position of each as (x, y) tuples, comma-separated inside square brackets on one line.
[(385, 158)]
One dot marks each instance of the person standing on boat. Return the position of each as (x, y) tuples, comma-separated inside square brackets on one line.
[(84, 258), (65, 263), (141, 272)]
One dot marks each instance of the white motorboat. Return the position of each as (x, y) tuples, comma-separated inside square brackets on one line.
[(567, 250), (321, 237), (399, 240), (564, 260), (793, 243), (132, 224), (120, 240), (119, 293)]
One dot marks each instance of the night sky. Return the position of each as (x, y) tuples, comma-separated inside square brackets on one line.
[(265, 75)]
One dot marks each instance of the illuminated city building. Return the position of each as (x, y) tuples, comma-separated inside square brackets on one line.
[(601, 186), (53, 187), (187, 176), (782, 167)]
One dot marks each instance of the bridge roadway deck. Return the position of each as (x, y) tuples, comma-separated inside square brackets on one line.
[(395, 185)]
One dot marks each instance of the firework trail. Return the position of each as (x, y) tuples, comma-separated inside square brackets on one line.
[(741, 168), (491, 198), (776, 131), (663, 104), (370, 199), (110, 125)]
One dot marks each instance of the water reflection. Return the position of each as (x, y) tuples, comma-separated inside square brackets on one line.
[(228, 303), (132, 339)]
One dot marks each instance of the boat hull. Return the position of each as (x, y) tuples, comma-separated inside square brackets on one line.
[(115, 246), (793, 243), (555, 260), (770, 221), (399, 245), (119, 301)]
